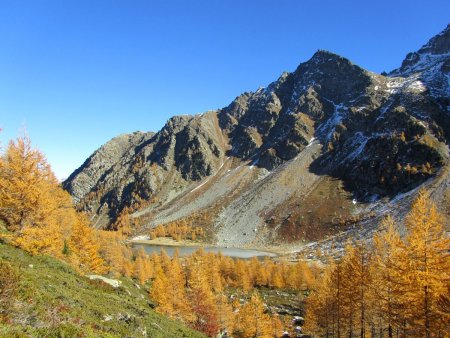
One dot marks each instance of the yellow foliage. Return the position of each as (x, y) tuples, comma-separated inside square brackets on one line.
[(32, 204), (84, 248), (252, 321), (178, 230), (402, 288)]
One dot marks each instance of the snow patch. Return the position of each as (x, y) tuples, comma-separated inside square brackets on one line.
[(140, 238), (329, 126), (359, 141)]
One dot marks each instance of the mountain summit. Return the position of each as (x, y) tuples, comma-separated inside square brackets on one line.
[(315, 153)]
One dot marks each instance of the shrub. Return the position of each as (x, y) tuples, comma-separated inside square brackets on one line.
[(8, 288)]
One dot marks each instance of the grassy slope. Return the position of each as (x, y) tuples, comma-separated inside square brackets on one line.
[(54, 301)]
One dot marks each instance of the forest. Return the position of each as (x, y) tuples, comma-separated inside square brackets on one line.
[(395, 285)]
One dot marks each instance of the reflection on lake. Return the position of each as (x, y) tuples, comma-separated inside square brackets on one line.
[(188, 250)]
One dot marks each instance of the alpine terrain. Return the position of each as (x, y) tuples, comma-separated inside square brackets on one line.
[(322, 152)]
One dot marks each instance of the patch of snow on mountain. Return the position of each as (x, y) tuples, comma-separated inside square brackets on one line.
[(329, 126), (417, 86)]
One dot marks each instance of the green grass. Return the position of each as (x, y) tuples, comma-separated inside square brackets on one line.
[(53, 300)]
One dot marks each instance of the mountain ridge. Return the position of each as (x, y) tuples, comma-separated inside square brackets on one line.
[(329, 124)]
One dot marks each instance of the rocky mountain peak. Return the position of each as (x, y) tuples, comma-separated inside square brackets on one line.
[(439, 44), (323, 56), (328, 125), (435, 52)]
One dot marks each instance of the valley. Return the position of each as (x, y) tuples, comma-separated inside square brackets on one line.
[(316, 206)]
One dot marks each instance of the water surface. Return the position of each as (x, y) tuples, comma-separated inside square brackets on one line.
[(188, 250)]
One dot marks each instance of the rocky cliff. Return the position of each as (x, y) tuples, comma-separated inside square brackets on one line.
[(315, 153)]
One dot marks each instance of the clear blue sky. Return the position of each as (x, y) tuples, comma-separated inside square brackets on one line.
[(76, 73)]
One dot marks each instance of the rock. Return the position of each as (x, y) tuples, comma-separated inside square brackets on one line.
[(113, 282), (377, 135)]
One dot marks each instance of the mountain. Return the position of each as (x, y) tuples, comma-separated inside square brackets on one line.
[(325, 150)]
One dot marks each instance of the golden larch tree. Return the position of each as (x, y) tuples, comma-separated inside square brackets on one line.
[(159, 294), (143, 269), (356, 283), (389, 285), (203, 302), (32, 204), (253, 321), (429, 273), (84, 247)]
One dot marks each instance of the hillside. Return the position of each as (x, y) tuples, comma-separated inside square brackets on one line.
[(322, 151), (53, 300)]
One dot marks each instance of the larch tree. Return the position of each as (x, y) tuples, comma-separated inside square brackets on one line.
[(176, 292), (123, 222), (336, 288), (389, 286), (84, 247), (211, 265), (22, 173), (159, 294), (253, 321), (225, 314), (143, 269), (357, 279), (32, 204), (429, 273), (242, 275), (111, 250), (324, 305), (203, 302)]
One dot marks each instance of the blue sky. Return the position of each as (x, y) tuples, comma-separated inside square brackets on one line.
[(77, 73)]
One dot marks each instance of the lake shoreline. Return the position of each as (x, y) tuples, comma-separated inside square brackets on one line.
[(167, 241), (171, 243)]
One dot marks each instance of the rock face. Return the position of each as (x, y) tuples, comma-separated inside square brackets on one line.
[(328, 126)]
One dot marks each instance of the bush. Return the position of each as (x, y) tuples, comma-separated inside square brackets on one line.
[(8, 288)]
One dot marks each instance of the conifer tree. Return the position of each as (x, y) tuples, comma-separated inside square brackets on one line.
[(159, 294), (176, 292), (242, 275), (357, 279), (318, 316), (253, 322), (23, 172), (429, 273), (389, 285), (225, 314), (32, 204), (203, 304), (123, 222), (84, 247), (143, 269), (112, 250)]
